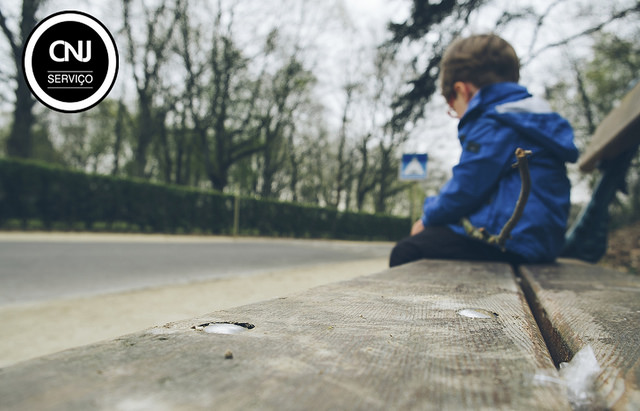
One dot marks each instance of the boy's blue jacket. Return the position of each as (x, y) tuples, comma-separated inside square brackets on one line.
[(485, 188)]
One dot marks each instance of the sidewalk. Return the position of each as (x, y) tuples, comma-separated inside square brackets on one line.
[(33, 330)]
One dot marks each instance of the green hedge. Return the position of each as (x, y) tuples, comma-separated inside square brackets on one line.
[(56, 197)]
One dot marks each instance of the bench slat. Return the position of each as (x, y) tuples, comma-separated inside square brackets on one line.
[(619, 131), (578, 305), (393, 340)]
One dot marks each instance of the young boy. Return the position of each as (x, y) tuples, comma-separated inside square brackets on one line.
[(479, 77)]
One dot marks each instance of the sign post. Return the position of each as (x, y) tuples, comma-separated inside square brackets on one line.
[(413, 168)]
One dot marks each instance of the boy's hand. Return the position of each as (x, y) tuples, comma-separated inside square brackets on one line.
[(417, 227)]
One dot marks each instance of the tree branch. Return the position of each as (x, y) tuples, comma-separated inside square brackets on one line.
[(500, 239), (10, 36), (586, 32)]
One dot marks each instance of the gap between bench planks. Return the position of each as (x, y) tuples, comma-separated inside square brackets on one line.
[(578, 304)]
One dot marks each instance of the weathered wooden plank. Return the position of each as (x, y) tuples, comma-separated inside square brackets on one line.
[(393, 340), (579, 305), (619, 131)]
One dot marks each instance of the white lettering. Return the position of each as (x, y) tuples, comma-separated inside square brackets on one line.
[(77, 53), (51, 51), (70, 79)]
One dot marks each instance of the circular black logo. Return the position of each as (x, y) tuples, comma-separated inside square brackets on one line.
[(70, 61)]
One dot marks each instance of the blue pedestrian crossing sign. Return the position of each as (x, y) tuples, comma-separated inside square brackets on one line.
[(413, 167)]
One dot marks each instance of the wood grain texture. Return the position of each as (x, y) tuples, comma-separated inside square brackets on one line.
[(619, 131), (578, 305), (392, 340)]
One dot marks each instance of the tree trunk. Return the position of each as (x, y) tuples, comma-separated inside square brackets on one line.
[(20, 141)]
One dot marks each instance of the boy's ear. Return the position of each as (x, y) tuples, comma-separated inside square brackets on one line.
[(464, 89), (458, 86)]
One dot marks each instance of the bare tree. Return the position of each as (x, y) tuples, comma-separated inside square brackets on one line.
[(343, 172), (147, 62), (227, 130), (122, 123), (20, 141), (289, 88)]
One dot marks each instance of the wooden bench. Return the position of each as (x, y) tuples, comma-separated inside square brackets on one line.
[(585, 305), (442, 335), (612, 148), (396, 340), (428, 335)]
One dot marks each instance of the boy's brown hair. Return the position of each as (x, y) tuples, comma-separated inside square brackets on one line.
[(481, 60)]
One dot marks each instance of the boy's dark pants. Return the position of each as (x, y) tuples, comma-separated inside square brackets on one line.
[(440, 242)]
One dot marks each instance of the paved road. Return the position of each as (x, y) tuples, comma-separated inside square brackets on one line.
[(46, 267)]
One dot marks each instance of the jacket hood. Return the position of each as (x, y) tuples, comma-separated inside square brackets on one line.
[(512, 105)]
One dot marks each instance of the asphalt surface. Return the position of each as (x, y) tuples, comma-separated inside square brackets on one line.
[(45, 267)]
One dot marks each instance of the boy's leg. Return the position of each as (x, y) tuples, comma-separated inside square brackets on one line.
[(440, 242)]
